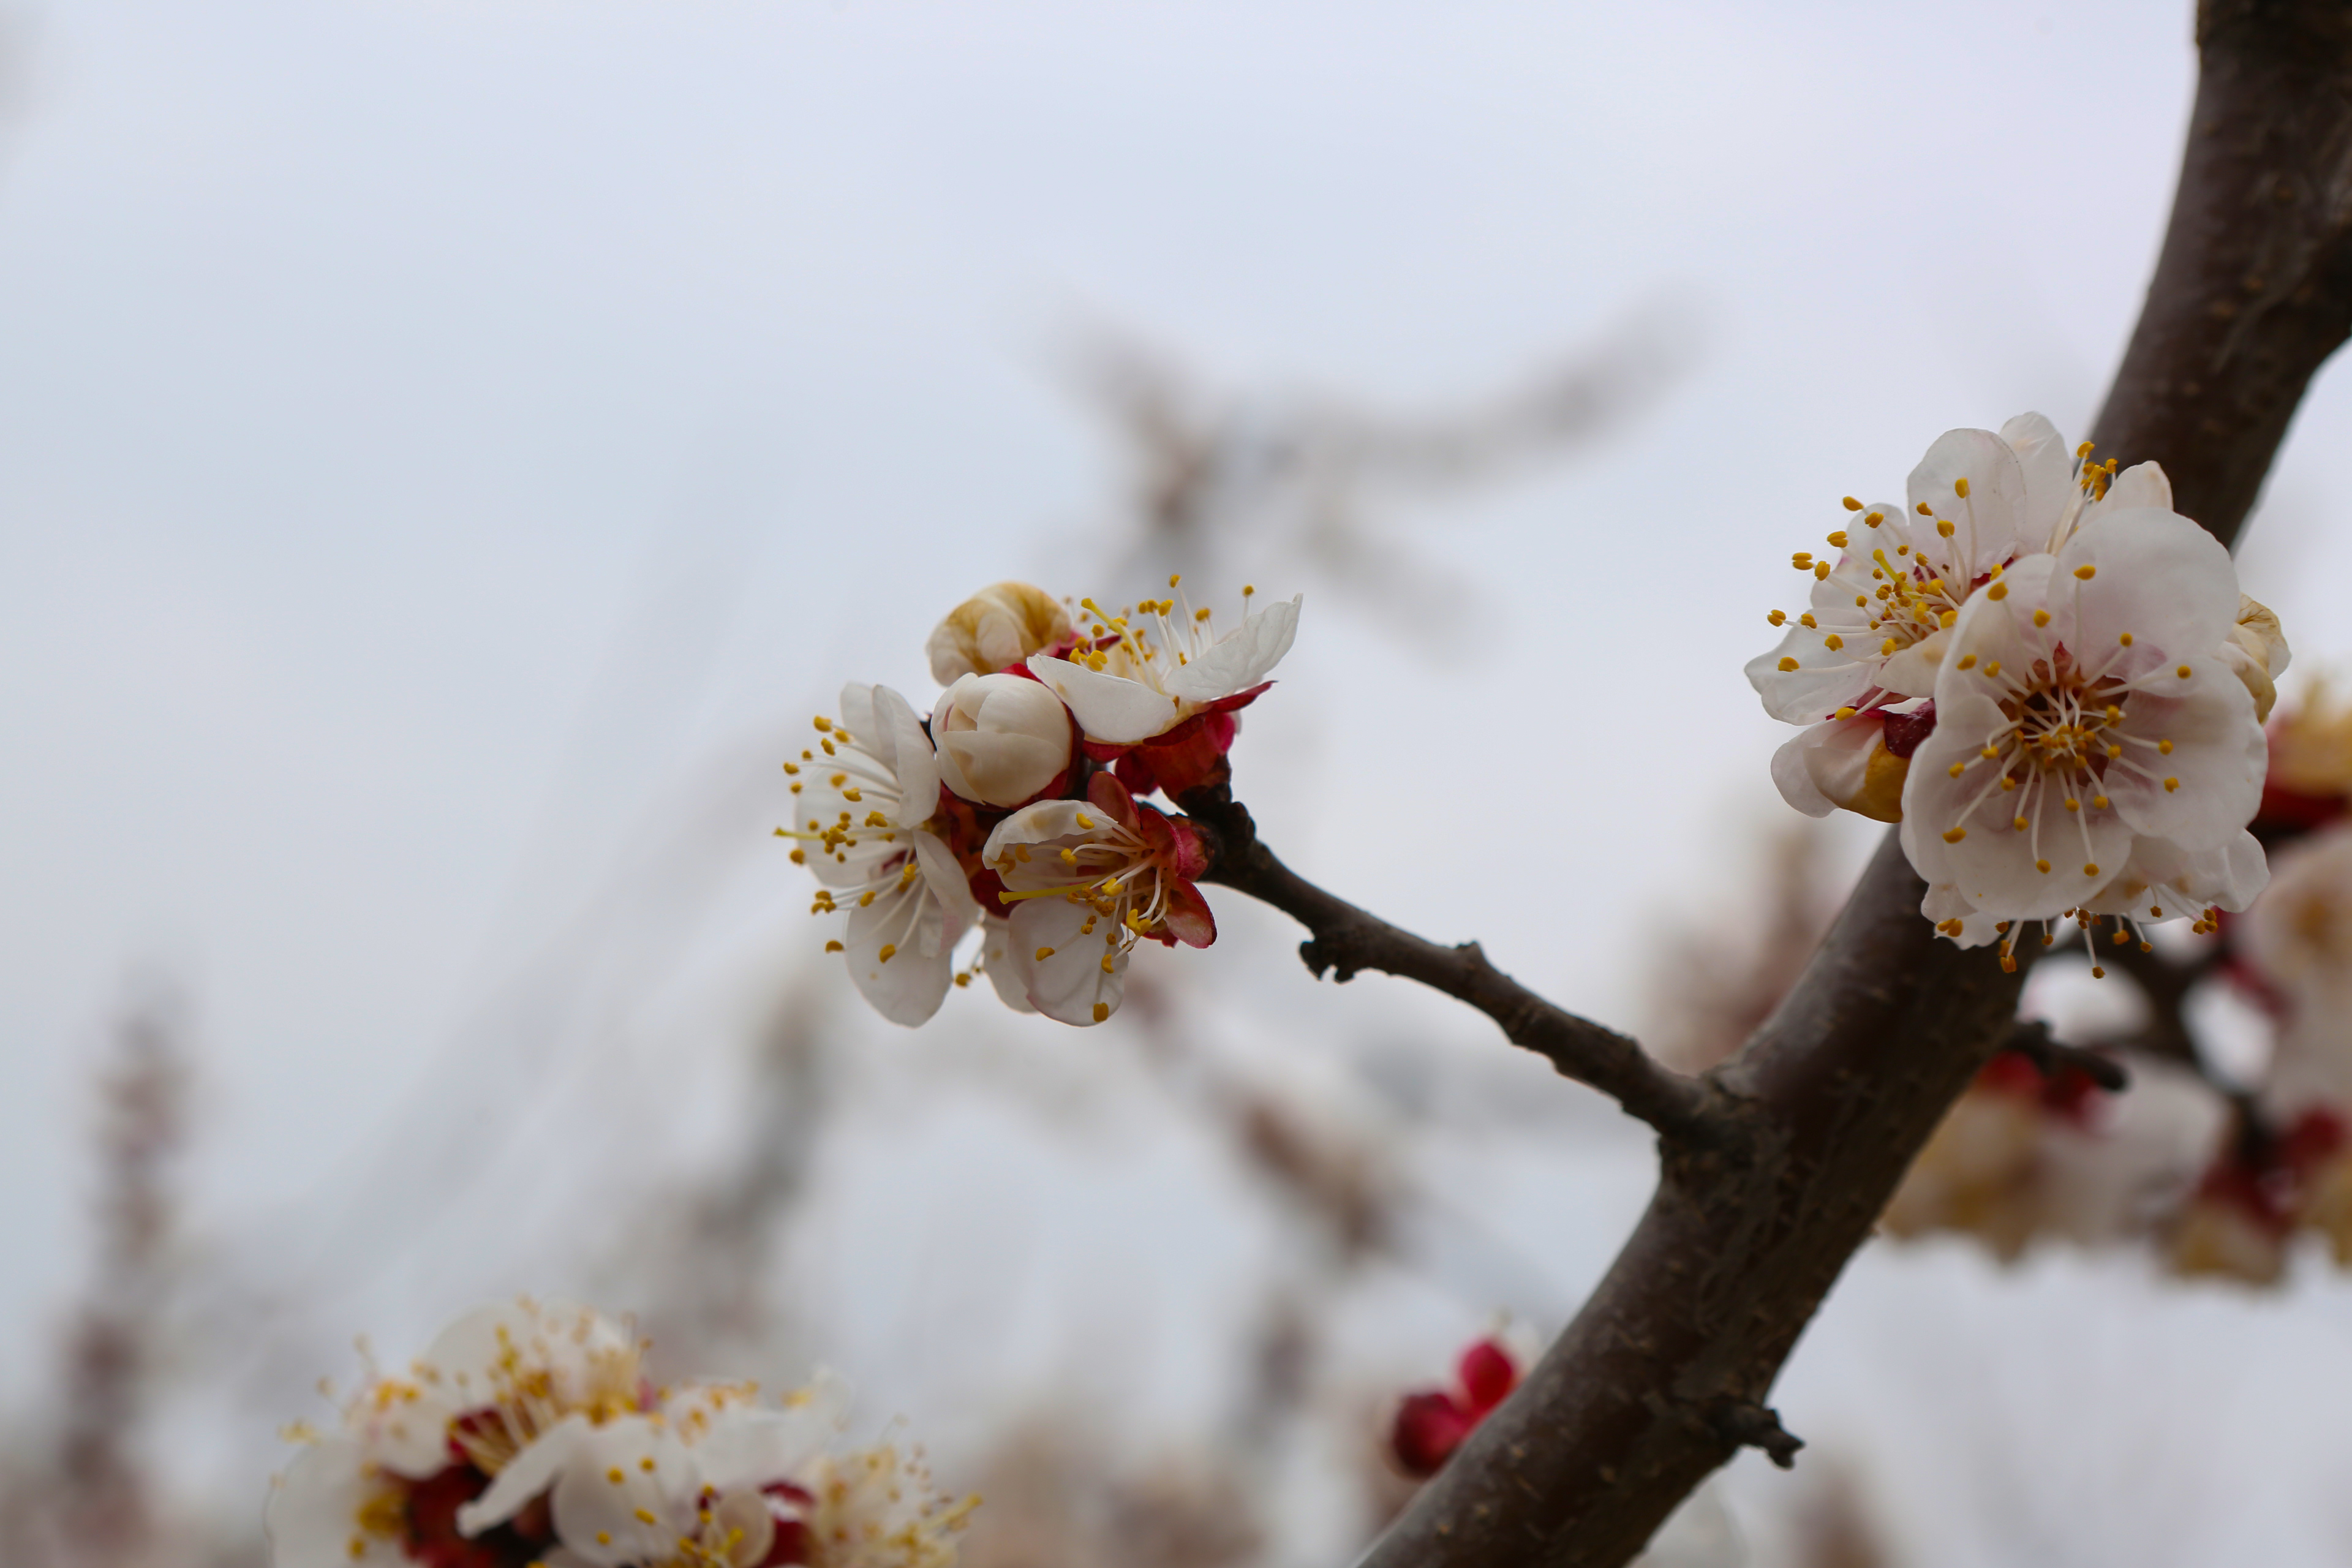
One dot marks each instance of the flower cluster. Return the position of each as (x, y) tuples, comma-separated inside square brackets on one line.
[(2047, 676), (529, 1437), (1011, 814)]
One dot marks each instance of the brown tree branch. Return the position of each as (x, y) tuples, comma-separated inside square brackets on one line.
[(1346, 940), (1845, 1081)]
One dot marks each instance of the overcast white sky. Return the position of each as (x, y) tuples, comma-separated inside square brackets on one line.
[(432, 433)]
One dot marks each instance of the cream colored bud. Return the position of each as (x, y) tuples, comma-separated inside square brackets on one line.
[(1000, 737), (2256, 653), (1865, 781), (995, 627)]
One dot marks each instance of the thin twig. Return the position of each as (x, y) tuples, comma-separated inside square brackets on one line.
[(2032, 1040), (1347, 940)]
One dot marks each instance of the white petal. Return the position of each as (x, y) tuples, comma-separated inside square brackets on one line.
[(638, 1517), (906, 987), (2218, 757), (1911, 671), (1038, 824), (1007, 965), (2159, 576), (949, 886), (1795, 781), (1242, 657), (1070, 983), (857, 711), (527, 1474), (899, 741), (1824, 680), (1109, 707), (2048, 464), (1986, 521), (313, 1516)]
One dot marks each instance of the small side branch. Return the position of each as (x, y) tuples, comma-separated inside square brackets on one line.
[(1346, 940), (2034, 1041), (1754, 1425)]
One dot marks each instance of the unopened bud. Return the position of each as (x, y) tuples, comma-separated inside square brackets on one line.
[(996, 627), (1002, 739)]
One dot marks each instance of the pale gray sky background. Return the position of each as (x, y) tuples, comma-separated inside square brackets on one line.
[(447, 451)]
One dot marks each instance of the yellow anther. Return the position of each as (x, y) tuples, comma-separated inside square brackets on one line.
[(1807, 620), (1202, 613), (824, 725), (1084, 821), (2182, 672), (2124, 639), (1834, 642), (2040, 617), (1944, 526), (1777, 617), (2165, 747), (2090, 869), (1947, 618), (2018, 823), (889, 951), (2006, 784), (2086, 572), (1174, 578), (1788, 664), (1820, 570), (832, 947), (2042, 867), (2073, 805), (1802, 560), (1109, 965), (2171, 784), (1886, 648), (2100, 800), (792, 767), (1247, 590), (851, 794), (865, 898), (1859, 600), (1960, 487), (1044, 954), (838, 780), (1838, 538), (1997, 591), (1069, 857), (1993, 667), (1102, 1009), (1843, 714), (1957, 769), (615, 1476), (2084, 450), (1874, 519), (1926, 511), (1968, 661), (1851, 504), (1953, 835), (2113, 751), (1990, 755)]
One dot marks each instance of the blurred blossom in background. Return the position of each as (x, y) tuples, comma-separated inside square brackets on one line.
[(448, 451)]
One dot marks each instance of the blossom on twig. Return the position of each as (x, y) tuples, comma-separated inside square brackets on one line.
[(529, 1435)]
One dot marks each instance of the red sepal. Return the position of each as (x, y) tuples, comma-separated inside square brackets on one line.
[(1488, 1374), (1187, 916)]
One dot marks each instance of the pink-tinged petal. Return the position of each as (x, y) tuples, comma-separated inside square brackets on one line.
[(1191, 861), (901, 743), (313, 1513), (1986, 521), (2158, 576), (2047, 464), (1242, 657), (1107, 792), (1107, 707), (1944, 905), (1069, 982), (465, 1363), (1187, 916), (1238, 700), (2218, 758), (639, 1517), (1843, 763), (907, 986), (527, 1474)]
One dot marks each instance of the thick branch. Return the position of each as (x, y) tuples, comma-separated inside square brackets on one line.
[(1347, 940), (1847, 1079)]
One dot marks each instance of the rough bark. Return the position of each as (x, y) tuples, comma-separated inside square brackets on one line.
[(1664, 1371)]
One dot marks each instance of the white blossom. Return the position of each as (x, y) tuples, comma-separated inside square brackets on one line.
[(1088, 879), (1141, 673), (554, 1449), (861, 799), (2298, 939), (2094, 751), (1883, 605)]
